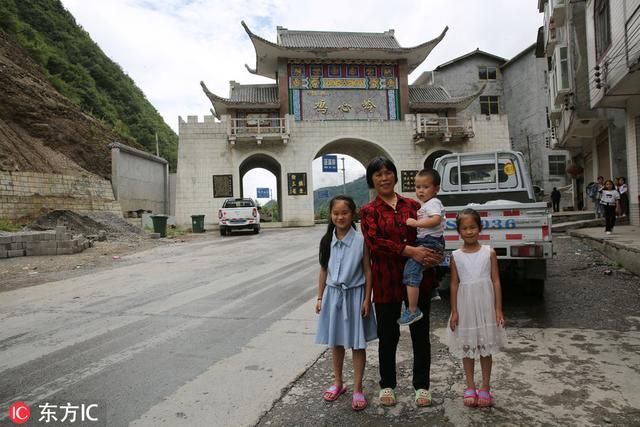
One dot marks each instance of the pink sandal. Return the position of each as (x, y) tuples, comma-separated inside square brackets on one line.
[(470, 398), (358, 401), (485, 399), (333, 393)]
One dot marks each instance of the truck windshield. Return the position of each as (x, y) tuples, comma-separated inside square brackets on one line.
[(480, 173), (238, 204)]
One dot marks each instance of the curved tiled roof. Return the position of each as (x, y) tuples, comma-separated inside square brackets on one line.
[(437, 97), (254, 96), (340, 40)]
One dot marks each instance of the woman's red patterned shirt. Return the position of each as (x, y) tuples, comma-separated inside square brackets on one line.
[(386, 234)]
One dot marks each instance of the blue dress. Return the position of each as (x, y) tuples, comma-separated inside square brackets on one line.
[(340, 322)]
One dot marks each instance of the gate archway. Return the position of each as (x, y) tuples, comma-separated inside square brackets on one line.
[(265, 162)]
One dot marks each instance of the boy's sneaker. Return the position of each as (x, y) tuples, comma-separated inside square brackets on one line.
[(408, 317), (435, 295)]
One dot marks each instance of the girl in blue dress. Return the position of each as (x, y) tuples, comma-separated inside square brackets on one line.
[(344, 298)]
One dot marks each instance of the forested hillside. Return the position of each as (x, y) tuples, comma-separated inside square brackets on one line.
[(357, 190), (80, 71)]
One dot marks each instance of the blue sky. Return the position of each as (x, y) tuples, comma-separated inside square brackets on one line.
[(168, 46)]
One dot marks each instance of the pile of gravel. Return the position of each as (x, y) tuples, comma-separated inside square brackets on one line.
[(89, 224)]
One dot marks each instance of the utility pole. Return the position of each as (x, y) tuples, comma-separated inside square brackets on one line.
[(344, 188), (157, 146)]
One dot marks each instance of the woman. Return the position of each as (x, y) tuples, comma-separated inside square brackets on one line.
[(390, 242)]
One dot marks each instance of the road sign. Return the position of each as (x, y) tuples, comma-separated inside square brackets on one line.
[(330, 163), (262, 193), (323, 194)]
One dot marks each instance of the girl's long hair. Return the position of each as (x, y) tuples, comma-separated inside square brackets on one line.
[(325, 242)]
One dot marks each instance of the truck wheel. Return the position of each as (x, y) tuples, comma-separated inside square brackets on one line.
[(223, 231), (256, 229)]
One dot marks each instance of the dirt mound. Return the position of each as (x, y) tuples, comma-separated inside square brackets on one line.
[(88, 225), (41, 130)]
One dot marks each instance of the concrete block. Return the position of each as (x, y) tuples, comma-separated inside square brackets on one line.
[(3, 253), (64, 251), (16, 246), (5, 239), (64, 244), (15, 253)]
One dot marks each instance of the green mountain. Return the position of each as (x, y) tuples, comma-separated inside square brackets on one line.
[(79, 70), (358, 190)]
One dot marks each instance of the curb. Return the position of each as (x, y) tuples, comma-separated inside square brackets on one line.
[(627, 256)]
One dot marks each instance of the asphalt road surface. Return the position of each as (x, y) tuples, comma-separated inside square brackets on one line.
[(206, 333)]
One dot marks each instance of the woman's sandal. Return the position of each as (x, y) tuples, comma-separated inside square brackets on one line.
[(387, 397), (470, 397), (333, 393), (358, 401), (485, 399), (423, 397)]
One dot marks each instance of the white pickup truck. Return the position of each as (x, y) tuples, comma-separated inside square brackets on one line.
[(497, 185), (238, 214)]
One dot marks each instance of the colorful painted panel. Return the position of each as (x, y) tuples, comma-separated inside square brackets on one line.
[(353, 70), (315, 70), (342, 70), (298, 82), (297, 111), (298, 70), (334, 70), (356, 104), (391, 95)]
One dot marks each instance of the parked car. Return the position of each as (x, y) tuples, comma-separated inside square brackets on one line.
[(239, 214)]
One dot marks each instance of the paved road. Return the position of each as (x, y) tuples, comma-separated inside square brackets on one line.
[(571, 360), (205, 333)]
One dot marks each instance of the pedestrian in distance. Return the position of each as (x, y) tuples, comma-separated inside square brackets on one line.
[(555, 199), (624, 196), (344, 298), (391, 242), (430, 230), (599, 188), (609, 200), (476, 325)]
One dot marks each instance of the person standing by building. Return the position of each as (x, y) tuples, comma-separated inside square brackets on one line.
[(555, 199), (609, 200), (391, 242), (624, 196)]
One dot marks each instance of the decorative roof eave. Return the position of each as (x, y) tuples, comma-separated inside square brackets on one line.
[(457, 103), (221, 105), (267, 53)]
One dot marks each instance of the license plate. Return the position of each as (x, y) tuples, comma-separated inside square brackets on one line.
[(445, 261)]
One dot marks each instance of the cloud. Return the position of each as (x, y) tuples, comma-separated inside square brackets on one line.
[(168, 46)]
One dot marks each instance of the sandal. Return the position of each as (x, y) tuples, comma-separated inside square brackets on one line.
[(333, 393), (358, 401), (485, 399), (387, 397), (470, 397), (423, 397)]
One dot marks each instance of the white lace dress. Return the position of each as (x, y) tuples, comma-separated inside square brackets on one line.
[(478, 333)]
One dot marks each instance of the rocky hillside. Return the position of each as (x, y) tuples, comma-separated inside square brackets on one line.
[(41, 130)]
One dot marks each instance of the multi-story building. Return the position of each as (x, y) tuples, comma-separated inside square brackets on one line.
[(506, 84), (613, 58), (593, 135), (333, 92)]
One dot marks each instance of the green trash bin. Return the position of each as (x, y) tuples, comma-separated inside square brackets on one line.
[(160, 224), (197, 223)]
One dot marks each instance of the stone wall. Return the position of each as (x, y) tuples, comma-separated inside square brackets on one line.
[(26, 193)]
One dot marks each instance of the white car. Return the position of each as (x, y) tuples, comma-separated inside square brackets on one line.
[(238, 214)]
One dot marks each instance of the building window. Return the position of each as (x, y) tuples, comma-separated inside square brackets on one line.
[(489, 105), (557, 165), (602, 27), (487, 73)]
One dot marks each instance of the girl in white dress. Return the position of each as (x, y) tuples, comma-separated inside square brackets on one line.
[(476, 325)]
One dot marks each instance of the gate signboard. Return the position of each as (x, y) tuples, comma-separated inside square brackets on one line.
[(330, 163)]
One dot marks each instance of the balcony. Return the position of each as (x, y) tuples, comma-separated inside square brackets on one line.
[(442, 129), (258, 130), (558, 9)]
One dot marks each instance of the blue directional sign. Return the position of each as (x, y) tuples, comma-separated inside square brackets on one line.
[(330, 163), (323, 194), (262, 193)]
